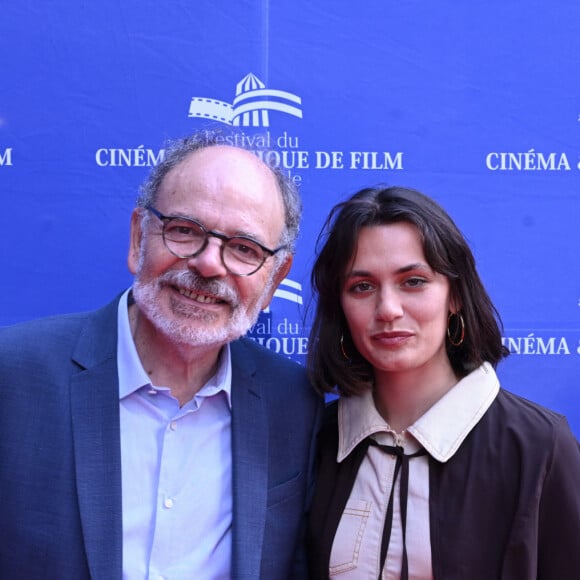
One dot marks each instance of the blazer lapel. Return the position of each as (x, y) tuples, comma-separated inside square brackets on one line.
[(95, 424), (250, 465)]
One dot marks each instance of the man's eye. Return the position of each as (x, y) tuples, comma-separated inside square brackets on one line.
[(182, 230), (242, 249), (245, 250)]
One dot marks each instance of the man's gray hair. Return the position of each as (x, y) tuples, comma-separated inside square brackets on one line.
[(178, 150)]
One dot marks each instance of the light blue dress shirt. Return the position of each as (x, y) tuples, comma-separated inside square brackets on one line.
[(177, 472)]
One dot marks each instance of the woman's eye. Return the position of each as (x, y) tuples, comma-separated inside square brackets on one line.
[(415, 282), (361, 287)]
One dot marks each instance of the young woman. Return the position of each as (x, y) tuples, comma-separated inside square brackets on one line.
[(427, 467)]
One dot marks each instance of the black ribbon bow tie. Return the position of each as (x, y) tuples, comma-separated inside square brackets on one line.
[(402, 467)]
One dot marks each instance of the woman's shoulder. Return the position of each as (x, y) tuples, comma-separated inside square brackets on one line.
[(517, 406), (527, 421)]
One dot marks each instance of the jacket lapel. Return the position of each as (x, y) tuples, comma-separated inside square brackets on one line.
[(95, 424), (250, 465)]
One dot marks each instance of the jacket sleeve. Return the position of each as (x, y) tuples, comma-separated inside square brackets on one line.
[(300, 567), (559, 510)]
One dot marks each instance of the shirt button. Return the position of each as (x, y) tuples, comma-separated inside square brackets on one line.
[(173, 425), (168, 503)]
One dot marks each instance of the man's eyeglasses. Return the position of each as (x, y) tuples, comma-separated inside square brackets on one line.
[(186, 238)]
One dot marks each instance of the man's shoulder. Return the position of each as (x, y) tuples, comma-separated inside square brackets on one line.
[(40, 334), (51, 332), (45, 323), (280, 378)]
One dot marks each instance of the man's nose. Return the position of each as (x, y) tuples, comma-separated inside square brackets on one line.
[(208, 263)]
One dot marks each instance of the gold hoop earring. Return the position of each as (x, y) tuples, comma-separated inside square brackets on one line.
[(459, 329), (342, 349)]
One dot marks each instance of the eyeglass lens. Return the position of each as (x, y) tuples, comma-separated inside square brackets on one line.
[(186, 238)]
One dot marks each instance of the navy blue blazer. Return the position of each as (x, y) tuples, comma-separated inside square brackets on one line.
[(60, 460)]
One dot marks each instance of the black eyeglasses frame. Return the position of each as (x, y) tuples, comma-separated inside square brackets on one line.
[(166, 219)]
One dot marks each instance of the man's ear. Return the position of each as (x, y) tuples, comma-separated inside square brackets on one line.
[(136, 235), (279, 275)]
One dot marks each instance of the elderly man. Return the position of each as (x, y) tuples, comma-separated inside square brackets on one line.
[(147, 439)]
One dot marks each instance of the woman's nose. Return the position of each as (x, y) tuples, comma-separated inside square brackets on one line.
[(389, 305)]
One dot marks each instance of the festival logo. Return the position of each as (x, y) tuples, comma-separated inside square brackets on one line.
[(251, 109), (251, 106), (279, 331)]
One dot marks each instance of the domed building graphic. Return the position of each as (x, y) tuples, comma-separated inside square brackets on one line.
[(251, 106)]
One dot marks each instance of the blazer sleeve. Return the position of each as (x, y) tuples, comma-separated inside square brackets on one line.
[(300, 566)]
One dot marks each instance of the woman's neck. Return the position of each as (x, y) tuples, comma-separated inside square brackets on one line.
[(402, 398)]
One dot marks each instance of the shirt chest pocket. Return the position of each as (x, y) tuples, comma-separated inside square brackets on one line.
[(349, 535)]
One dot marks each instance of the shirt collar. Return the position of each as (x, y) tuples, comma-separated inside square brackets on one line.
[(132, 375), (440, 430)]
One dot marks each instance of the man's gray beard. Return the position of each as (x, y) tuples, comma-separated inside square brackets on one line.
[(190, 326)]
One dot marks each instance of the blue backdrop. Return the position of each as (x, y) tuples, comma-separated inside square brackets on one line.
[(476, 104)]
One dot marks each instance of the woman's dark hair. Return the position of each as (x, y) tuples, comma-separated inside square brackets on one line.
[(446, 251)]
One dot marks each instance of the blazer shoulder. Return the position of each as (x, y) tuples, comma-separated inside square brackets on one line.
[(40, 334), (279, 376), (44, 338)]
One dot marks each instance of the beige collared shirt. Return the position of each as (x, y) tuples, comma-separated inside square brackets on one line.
[(440, 431)]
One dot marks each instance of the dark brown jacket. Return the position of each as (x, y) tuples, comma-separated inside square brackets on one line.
[(505, 506)]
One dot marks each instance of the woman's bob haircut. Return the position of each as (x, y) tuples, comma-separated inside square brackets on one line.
[(446, 251)]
